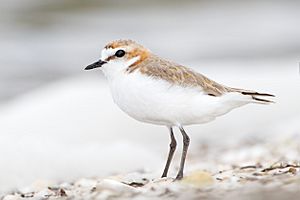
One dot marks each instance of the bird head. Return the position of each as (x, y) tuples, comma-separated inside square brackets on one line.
[(119, 55)]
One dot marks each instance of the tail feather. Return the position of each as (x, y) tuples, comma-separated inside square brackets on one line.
[(256, 96), (263, 101)]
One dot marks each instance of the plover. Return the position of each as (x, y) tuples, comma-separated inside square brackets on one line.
[(154, 90)]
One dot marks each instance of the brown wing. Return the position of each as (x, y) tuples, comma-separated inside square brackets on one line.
[(179, 75)]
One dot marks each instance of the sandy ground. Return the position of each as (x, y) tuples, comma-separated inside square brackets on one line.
[(246, 169)]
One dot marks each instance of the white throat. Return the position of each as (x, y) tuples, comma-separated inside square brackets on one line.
[(117, 67)]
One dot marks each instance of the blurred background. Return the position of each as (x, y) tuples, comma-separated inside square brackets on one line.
[(58, 122)]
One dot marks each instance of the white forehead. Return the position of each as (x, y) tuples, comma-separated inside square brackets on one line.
[(107, 52)]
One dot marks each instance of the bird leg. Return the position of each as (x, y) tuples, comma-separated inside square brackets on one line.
[(173, 145), (186, 142)]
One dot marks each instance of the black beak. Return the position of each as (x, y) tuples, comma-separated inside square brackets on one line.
[(95, 65)]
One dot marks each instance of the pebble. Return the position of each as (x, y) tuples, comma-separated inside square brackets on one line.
[(199, 179), (244, 180)]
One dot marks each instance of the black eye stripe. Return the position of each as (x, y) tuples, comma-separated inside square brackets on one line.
[(109, 58), (120, 53)]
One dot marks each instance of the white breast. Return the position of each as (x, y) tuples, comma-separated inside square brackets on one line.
[(157, 101)]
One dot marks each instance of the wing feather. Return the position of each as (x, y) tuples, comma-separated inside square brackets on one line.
[(180, 75), (176, 74)]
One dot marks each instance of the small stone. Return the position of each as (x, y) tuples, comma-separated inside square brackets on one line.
[(293, 170), (199, 179), (112, 185), (258, 174), (44, 194), (27, 195), (135, 180), (108, 188), (62, 193)]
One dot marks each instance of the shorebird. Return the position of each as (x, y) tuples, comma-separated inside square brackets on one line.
[(154, 90)]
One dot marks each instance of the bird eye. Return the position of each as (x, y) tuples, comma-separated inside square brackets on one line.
[(120, 53)]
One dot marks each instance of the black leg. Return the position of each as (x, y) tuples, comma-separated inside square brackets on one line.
[(186, 142), (173, 145)]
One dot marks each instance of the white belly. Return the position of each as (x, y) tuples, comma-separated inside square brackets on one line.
[(158, 102)]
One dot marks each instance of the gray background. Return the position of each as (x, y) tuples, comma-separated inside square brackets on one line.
[(58, 122), (42, 41)]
